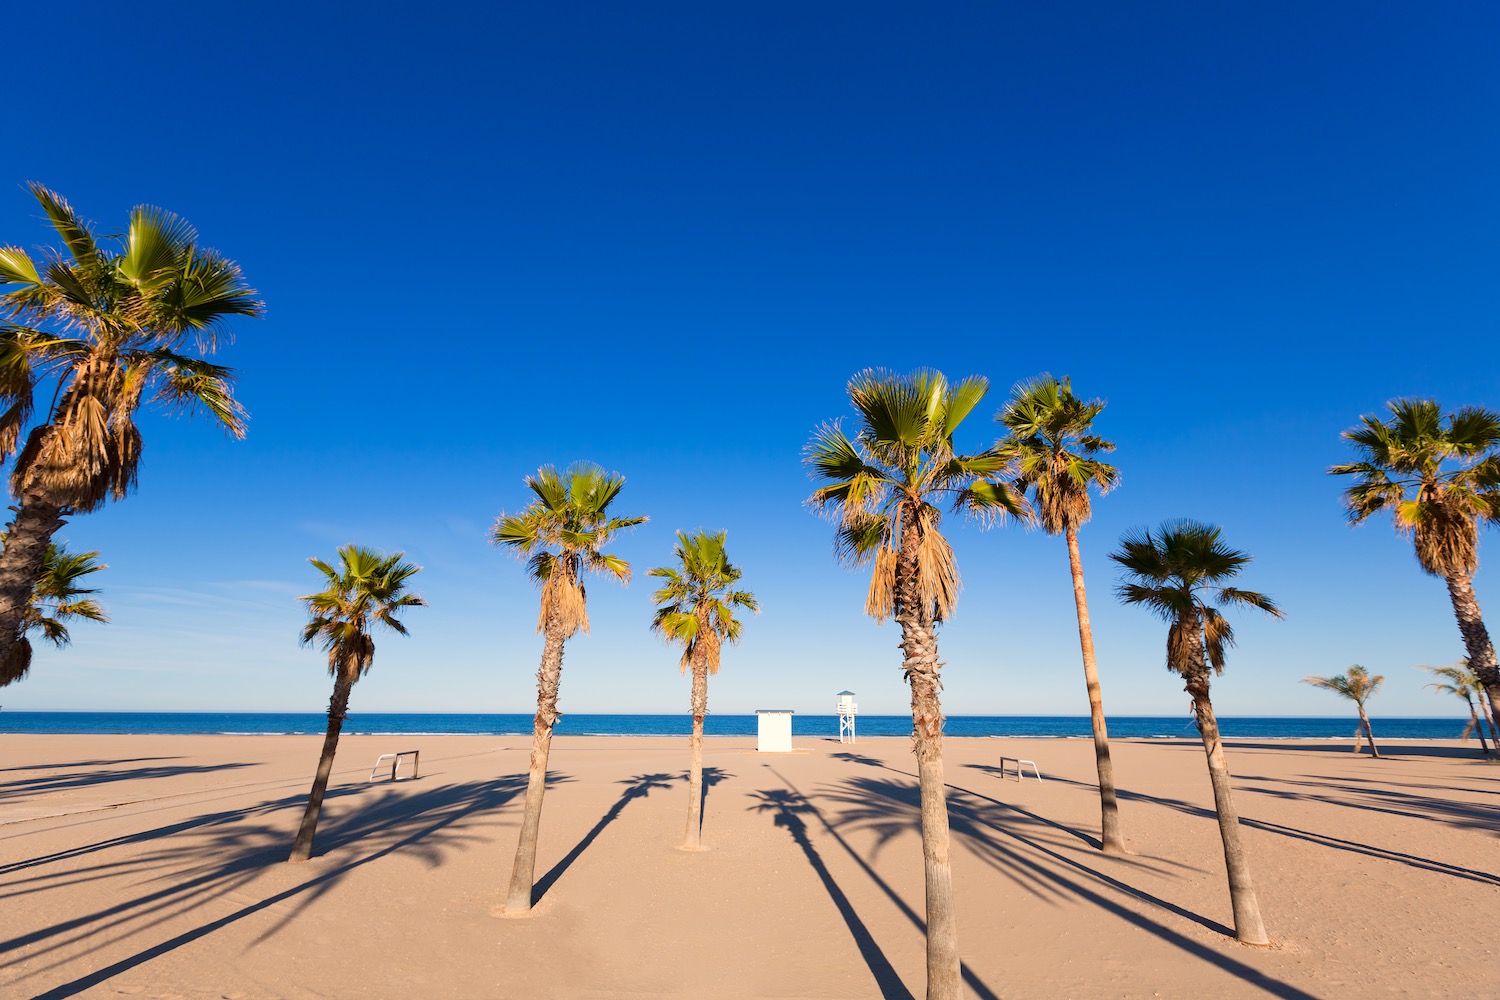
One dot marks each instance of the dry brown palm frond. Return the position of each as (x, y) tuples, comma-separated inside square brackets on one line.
[(1182, 637), (1063, 503), (563, 596), (881, 600), (1446, 540), (709, 637), (937, 569)]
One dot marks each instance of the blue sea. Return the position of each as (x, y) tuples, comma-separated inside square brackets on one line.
[(380, 723)]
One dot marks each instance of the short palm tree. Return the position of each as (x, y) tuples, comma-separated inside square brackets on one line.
[(883, 486), (1439, 476), (366, 589), (1171, 572), (96, 329), (695, 609), (1056, 460), (562, 533), (1459, 680), (1358, 686), (56, 599)]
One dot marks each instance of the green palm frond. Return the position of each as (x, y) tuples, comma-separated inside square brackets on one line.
[(1170, 571), (564, 531), (103, 322), (1437, 474), (367, 587), (882, 481), (1356, 684), (696, 603)]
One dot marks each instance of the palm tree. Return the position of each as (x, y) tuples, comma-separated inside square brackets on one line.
[(57, 598), (367, 588), (1462, 683), (1171, 572), (563, 533), (1055, 455), (95, 330), (695, 607), (1357, 685), (882, 485), (1439, 476)]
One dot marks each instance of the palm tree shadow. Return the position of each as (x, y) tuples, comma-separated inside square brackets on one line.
[(637, 787), (233, 854), (711, 777), (785, 805), (991, 769), (890, 807)]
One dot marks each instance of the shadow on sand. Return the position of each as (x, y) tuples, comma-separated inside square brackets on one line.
[(229, 850)]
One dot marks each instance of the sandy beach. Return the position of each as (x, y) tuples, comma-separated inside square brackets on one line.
[(154, 867)]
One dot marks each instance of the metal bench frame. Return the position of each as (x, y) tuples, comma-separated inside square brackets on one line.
[(395, 759)]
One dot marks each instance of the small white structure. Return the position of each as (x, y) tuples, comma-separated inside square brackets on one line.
[(847, 711), (773, 730)]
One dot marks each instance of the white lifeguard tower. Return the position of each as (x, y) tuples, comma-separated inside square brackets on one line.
[(847, 711)]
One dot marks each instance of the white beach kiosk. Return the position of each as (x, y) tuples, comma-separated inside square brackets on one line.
[(773, 730)]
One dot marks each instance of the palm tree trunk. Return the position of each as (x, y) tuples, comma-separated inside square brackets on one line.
[(1111, 839), (1364, 720), (548, 679), (692, 841), (27, 537), (1478, 727), (1476, 641), (1248, 926), (1489, 713), (919, 644), (338, 707)]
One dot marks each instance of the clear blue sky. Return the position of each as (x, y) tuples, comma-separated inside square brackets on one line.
[(662, 236)]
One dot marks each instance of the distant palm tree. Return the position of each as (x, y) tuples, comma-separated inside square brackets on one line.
[(56, 599), (367, 588), (1439, 476), (96, 330), (1170, 573), (1462, 683), (695, 608), (1055, 451), (882, 486), (563, 533), (1357, 685)]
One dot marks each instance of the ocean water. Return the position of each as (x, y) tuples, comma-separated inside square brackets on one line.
[(375, 723)]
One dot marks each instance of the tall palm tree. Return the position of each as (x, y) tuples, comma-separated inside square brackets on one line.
[(1462, 683), (695, 608), (883, 486), (1358, 686), (1171, 572), (367, 588), (1056, 459), (57, 598), (562, 533), (1439, 476), (95, 330)]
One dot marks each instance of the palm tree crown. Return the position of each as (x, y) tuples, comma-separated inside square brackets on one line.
[(107, 325), (1356, 684), (563, 532), (1174, 569), (1460, 680), (365, 589), (1437, 474), (1054, 451), (696, 601), (882, 482), (56, 598)]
